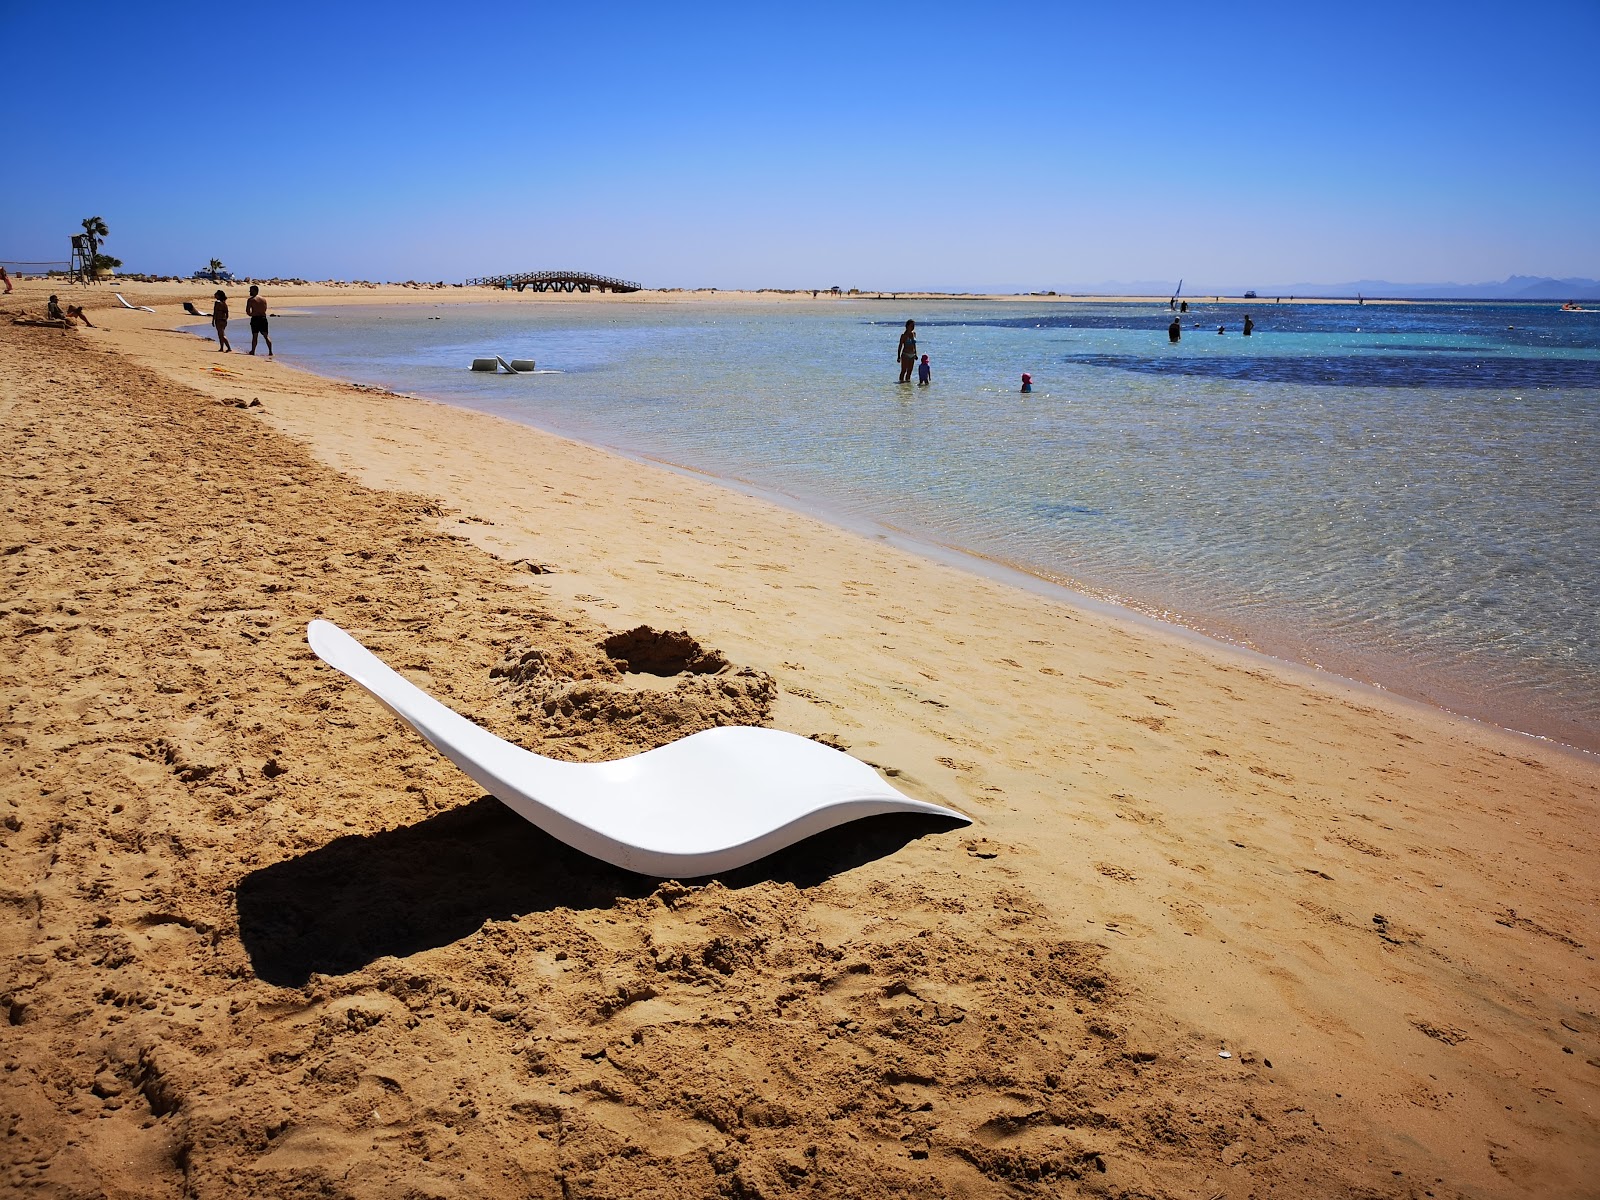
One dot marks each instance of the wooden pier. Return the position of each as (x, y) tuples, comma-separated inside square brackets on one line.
[(556, 281)]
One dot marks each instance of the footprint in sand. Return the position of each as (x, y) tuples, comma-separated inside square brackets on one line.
[(1112, 871)]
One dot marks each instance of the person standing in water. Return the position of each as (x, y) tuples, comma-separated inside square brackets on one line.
[(256, 309), (1027, 382), (1174, 331), (219, 320), (924, 372), (907, 351), (1249, 325)]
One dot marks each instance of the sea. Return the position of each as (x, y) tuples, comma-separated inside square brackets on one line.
[(1401, 494)]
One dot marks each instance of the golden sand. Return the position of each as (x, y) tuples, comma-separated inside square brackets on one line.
[(261, 940)]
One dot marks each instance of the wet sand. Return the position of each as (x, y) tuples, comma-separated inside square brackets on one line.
[(262, 940)]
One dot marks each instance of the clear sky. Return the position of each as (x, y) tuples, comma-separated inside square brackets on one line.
[(1013, 146)]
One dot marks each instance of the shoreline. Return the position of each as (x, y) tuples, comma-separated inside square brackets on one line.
[(1385, 914), (1073, 593), (361, 292), (1359, 667)]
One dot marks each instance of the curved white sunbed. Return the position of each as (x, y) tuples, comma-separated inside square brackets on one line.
[(135, 307), (713, 801)]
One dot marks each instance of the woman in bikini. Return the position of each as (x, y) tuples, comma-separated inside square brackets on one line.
[(908, 352), (219, 319)]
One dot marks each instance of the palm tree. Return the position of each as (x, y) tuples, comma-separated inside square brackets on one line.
[(94, 228), (93, 231), (215, 267)]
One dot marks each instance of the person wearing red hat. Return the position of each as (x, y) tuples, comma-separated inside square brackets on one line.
[(1027, 382)]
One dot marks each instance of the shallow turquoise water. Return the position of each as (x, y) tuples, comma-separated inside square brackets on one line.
[(1403, 494)]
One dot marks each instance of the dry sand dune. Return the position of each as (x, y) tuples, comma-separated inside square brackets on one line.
[(261, 940)]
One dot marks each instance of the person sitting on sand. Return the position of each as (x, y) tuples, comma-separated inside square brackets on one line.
[(52, 311), (256, 309), (5, 279), (219, 320), (924, 372), (907, 351), (1027, 382)]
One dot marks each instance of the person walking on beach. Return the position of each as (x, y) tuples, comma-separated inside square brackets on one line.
[(256, 309), (924, 372), (219, 320), (907, 351)]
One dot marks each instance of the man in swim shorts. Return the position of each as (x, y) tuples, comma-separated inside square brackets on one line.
[(256, 309)]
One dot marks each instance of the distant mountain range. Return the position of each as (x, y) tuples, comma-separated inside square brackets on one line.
[(1517, 287)]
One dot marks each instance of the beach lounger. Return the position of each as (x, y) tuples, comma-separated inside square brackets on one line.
[(713, 801), (135, 307), (189, 308)]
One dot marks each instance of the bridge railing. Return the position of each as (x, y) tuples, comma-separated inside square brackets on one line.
[(557, 280)]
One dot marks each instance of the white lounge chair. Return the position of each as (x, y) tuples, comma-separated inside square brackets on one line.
[(135, 307), (711, 802)]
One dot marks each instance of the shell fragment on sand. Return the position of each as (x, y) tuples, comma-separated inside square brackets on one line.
[(710, 802)]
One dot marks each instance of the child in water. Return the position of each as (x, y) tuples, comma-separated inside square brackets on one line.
[(924, 372), (1027, 382)]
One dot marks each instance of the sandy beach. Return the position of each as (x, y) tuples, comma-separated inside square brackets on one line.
[(1221, 927)]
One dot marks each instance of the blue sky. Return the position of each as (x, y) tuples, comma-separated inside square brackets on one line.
[(1001, 145)]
